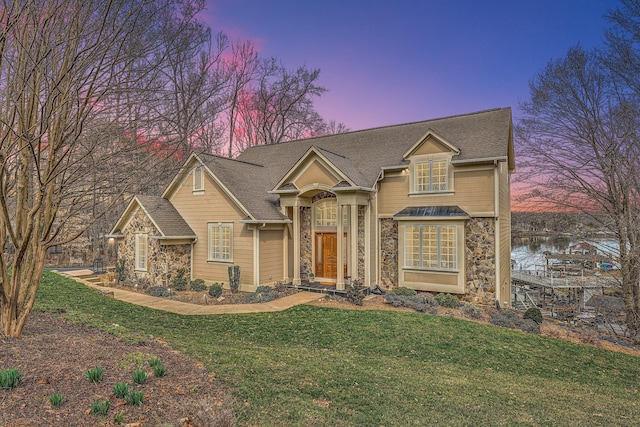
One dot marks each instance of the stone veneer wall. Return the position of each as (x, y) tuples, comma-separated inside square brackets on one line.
[(163, 261), (306, 243), (480, 254), (361, 243), (388, 252)]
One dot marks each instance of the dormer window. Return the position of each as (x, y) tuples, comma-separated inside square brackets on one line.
[(431, 176), (198, 181)]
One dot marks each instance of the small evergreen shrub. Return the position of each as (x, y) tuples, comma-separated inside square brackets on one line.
[(234, 278), (100, 407), (120, 271), (501, 320), (404, 291), (530, 326), (55, 400), (422, 302), (356, 292), (121, 390), (95, 374), (280, 286), (159, 291), (534, 314), (510, 319), (215, 290), (179, 281), (447, 300), (198, 285), (472, 311), (262, 294), (159, 371), (139, 376), (135, 398), (10, 378)]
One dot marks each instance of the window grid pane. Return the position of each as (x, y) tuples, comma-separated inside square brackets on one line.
[(431, 246), (430, 176), (422, 176), (326, 214), (412, 246), (438, 176), (448, 240)]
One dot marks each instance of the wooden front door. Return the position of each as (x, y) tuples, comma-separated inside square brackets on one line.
[(327, 255)]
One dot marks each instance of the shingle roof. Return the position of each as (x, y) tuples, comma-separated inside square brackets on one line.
[(249, 183), (165, 216), (484, 134)]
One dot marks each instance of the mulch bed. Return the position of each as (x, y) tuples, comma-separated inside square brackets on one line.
[(54, 355)]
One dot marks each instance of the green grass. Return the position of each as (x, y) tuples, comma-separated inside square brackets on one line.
[(324, 367)]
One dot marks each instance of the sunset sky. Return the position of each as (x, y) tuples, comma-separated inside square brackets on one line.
[(396, 61)]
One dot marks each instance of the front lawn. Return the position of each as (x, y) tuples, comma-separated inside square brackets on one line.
[(316, 366)]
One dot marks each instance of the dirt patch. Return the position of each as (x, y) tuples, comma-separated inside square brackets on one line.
[(54, 355)]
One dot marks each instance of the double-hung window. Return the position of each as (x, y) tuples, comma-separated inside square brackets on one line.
[(431, 247), (220, 241), (141, 251), (198, 179), (431, 176)]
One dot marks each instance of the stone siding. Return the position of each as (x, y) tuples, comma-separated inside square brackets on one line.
[(480, 253), (163, 261), (388, 253), (306, 242)]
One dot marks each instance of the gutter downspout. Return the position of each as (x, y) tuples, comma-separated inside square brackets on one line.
[(496, 222)]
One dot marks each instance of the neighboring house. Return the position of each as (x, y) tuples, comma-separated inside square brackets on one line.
[(423, 205)]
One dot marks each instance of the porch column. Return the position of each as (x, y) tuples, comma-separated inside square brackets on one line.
[(367, 244), (285, 253), (296, 245), (339, 254), (353, 234)]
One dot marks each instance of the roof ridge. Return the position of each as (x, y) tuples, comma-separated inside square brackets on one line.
[(329, 151), (230, 159), (382, 127)]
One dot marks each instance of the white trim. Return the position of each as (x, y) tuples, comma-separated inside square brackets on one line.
[(438, 248), (436, 136), (480, 160), (496, 195), (198, 171), (430, 163), (141, 238), (221, 226)]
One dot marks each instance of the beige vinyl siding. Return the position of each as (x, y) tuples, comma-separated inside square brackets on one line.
[(504, 224), (473, 192), (270, 256), (315, 173), (431, 146), (214, 206)]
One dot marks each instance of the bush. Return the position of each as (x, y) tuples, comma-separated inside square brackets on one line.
[(234, 278), (120, 271), (448, 300), (215, 290), (135, 398), (534, 314), (180, 282), (154, 361), (280, 286), (10, 378), (55, 400), (472, 311), (159, 291), (421, 302), (95, 375), (139, 376), (404, 292), (530, 326), (356, 292), (198, 285), (510, 319), (501, 320), (121, 390), (100, 407), (262, 294)]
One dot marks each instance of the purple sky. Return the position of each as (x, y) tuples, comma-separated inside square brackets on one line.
[(397, 61)]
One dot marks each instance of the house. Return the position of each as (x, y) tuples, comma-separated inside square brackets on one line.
[(423, 205)]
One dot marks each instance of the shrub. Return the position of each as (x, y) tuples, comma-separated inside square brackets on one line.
[(100, 407), (472, 311), (280, 286), (120, 271), (179, 281), (159, 291), (10, 378), (447, 300), (262, 294), (234, 278), (198, 285), (121, 390), (499, 319), (139, 376), (154, 361), (159, 371), (403, 291), (530, 326), (215, 290), (534, 314), (118, 418), (356, 292), (95, 374), (55, 400), (135, 398), (421, 302)]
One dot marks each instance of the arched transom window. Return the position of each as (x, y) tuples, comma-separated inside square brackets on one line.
[(326, 213)]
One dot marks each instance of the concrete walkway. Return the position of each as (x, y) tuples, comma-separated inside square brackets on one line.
[(165, 304)]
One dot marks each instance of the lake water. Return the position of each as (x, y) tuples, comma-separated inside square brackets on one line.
[(527, 252)]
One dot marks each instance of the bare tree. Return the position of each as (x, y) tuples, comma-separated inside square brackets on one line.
[(580, 152), (69, 70)]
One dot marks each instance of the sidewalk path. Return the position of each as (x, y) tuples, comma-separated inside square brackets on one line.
[(178, 307)]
